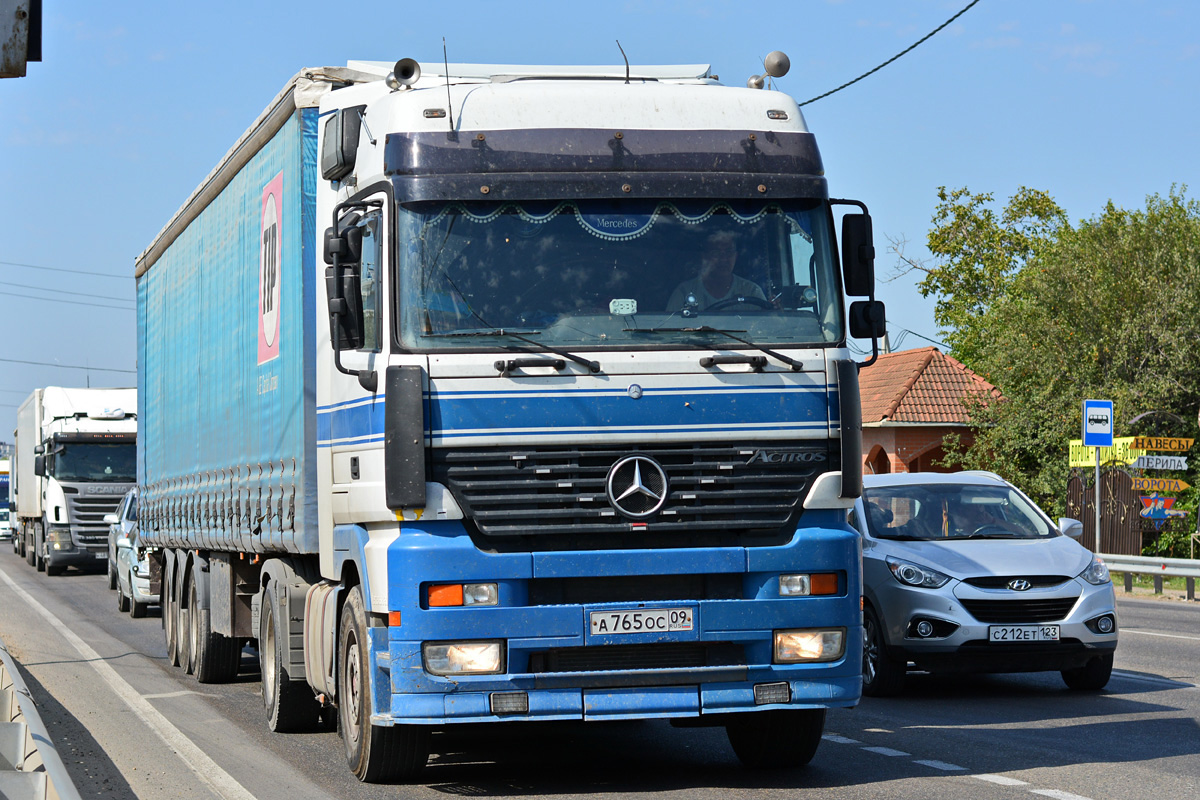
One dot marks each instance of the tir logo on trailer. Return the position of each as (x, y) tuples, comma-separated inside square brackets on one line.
[(270, 252)]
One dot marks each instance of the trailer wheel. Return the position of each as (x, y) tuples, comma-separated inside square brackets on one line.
[(214, 657), (776, 739), (291, 705), (183, 627), (375, 753), (170, 616)]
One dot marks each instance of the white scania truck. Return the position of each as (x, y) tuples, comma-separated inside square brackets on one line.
[(74, 457), (481, 394)]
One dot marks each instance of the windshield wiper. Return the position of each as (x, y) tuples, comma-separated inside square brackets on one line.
[(592, 366), (791, 362)]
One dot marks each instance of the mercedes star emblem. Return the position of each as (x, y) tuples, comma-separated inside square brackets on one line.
[(637, 486)]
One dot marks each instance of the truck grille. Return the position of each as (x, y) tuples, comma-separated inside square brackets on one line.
[(1018, 611), (555, 497), (87, 516), (607, 658)]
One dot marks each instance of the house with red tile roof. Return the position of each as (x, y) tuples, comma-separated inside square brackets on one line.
[(910, 401)]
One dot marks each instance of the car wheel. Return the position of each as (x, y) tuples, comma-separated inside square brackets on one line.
[(776, 739), (122, 599), (883, 676), (1092, 676), (112, 575)]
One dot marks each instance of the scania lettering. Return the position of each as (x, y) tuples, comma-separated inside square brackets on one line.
[(481, 394)]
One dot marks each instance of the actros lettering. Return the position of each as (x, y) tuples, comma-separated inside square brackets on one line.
[(785, 457)]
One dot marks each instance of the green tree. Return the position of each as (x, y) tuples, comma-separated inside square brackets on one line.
[(1053, 313)]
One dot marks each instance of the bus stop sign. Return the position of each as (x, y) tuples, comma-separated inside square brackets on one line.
[(1097, 423)]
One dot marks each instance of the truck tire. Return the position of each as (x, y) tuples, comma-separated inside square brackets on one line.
[(776, 739), (883, 676), (214, 657), (1092, 676), (374, 753), (183, 626), (170, 617), (39, 544), (291, 705), (53, 569), (28, 549)]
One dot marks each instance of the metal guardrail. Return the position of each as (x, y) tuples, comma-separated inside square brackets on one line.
[(1158, 567), (30, 767)]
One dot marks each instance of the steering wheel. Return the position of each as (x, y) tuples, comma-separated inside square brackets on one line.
[(751, 299), (991, 527)]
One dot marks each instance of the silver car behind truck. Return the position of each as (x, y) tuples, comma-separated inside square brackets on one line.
[(964, 573), (128, 560)]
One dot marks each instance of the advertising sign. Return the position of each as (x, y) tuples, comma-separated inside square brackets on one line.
[(1170, 444), (1160, 462), (1159, 485)]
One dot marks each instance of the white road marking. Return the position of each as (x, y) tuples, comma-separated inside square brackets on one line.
[(833, 737), (1058, 795), (942, 765), (886, 751), (205, 768), (1002, 780), (1164, 635), (180, 693)]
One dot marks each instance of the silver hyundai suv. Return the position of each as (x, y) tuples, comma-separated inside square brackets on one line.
[(964, 573)]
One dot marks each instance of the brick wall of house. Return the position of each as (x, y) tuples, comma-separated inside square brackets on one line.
[(904, 449)]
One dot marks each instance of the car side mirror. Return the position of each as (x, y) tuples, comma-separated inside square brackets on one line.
[(1070, 527), (111, 519)]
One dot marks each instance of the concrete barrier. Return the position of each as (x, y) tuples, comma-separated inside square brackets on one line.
[(30, 767)]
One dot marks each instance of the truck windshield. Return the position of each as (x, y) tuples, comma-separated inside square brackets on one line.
[(597, 274), (76, 462)]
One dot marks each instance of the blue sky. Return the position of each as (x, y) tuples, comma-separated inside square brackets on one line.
[(134, 103)]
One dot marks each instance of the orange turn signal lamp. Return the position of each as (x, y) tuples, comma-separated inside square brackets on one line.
[(446, 595)]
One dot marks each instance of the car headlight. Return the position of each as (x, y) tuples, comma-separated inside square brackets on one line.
[(1096, 573), (912, 574)]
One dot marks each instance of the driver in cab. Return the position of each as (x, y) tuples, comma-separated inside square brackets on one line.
[(716, 284)]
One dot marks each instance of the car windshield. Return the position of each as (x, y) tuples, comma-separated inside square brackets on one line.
[(79, 462), (603, 274), (936, 511)]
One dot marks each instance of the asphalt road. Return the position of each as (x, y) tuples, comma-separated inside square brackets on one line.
[(128, 725)]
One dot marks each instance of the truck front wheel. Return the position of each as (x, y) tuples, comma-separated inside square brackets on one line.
[(375, 753), (776, 739)]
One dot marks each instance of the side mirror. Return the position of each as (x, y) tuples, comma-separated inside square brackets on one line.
[(111, 519), (868, 319), (342, 286), (858, 255), (38, 449), (339, 144), (39, 466), (1070, 527)]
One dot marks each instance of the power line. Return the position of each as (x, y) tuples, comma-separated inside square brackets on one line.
[(68, 366), (60, 300), (64, 291), (893, 58), (76, 271)]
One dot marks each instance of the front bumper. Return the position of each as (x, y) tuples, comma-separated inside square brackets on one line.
[(69, 554), (968, 649), (569, 672)]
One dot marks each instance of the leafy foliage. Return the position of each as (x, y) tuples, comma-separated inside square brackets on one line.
[(1053, 313)]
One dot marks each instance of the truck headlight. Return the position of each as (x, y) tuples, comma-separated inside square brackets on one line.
[(463, 658), (59, 538), (826, 644)]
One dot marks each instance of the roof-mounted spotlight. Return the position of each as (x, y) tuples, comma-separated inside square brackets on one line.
[(406, 72), (776, 65)]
